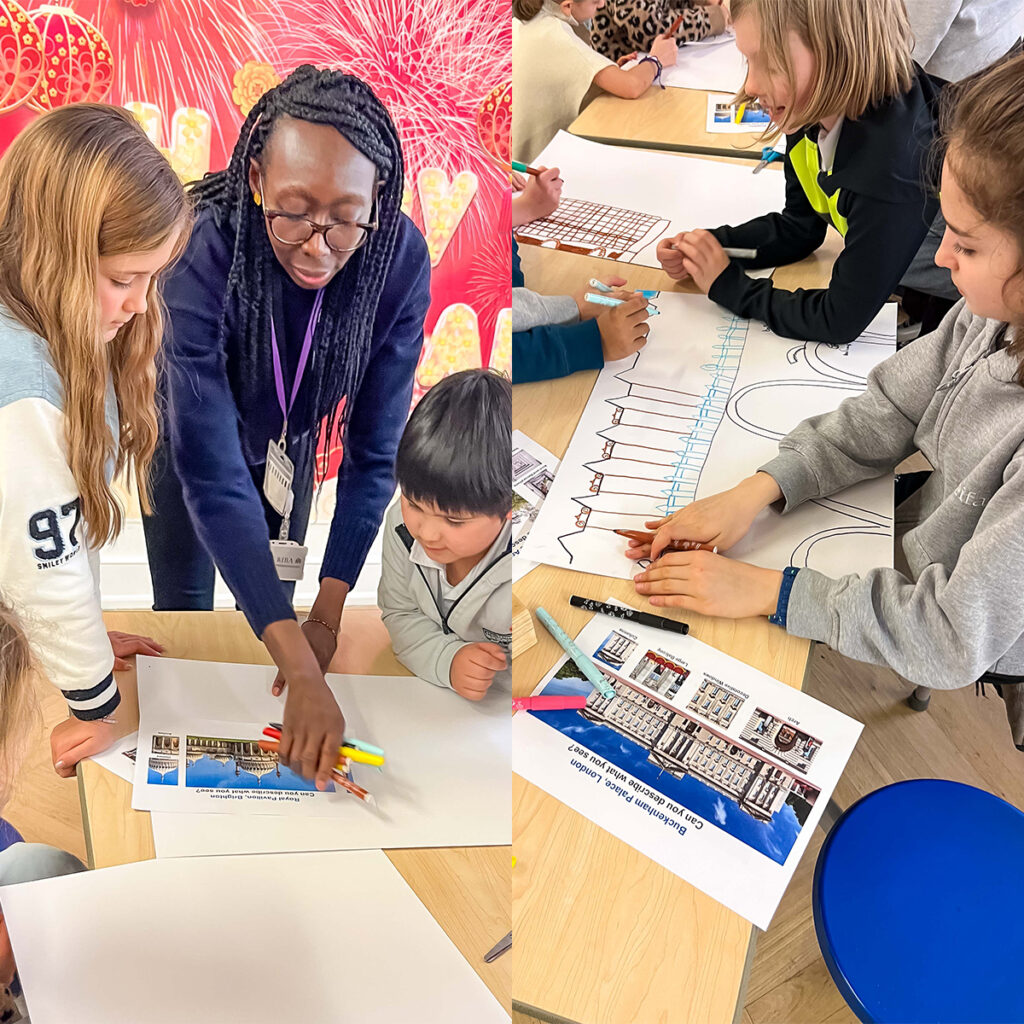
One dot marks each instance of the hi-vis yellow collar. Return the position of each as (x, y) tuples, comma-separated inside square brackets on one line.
[(805, 160)]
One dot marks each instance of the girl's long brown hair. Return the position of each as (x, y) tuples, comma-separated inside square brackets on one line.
[(18, 706), (79, 183), (983, 139)]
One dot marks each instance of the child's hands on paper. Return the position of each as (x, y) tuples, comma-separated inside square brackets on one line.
[(125, 645), (624, 329), (539, 197), (474, 667), (670, 258), (72, 740), (589, 310), (721, 520), (703, 257), (666, 50), (710, 584)]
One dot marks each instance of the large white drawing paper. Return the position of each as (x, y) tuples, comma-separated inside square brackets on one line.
[(334, 937), (714, 770), (120, 758), (445, 783), (619, 203), (533, 469), (714, 63), (703, 405)]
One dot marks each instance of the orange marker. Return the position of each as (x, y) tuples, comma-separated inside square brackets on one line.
[(675, 27), (676, 545)]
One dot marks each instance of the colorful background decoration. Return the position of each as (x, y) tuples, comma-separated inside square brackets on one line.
[(191, 69)]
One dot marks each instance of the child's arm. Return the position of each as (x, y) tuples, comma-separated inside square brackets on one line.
[(946, 629), (632, 84), (881, 242), (46, 571)]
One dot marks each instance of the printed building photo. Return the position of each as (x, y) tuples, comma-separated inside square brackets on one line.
[(660, 674), (219, 763), (728, 783), (716, 702), (781, 740), (615, 649)]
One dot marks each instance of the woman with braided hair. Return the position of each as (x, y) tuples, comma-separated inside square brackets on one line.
[(299, 302)]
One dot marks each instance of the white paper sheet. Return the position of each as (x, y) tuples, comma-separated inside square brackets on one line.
[(714, 770), (703, 405), (619, 202), (120, 758), (446, 782), (336, 937), (715, 63), (721, 116), (533, 469)]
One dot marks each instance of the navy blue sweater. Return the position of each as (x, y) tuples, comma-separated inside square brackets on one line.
[(553, 350), (215, 440)]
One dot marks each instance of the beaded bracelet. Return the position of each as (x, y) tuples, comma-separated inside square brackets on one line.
[(788, 576), (326, 625), (650, 58)]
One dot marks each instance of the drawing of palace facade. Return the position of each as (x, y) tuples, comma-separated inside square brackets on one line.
[(683, 746), (660, 674)]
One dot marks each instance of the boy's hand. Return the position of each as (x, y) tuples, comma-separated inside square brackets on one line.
[(670, 258), (589, 310), (473, 669), (624, 329), (72, 740), (703, 257), (666, 50)]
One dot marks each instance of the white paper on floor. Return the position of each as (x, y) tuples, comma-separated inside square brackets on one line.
[(619, 202), (336, 937), (712, 769), (446, 781), (702, 406), (533, 469)]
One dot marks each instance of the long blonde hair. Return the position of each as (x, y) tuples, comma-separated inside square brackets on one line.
[(79, 183), (862, 52), (18, 705), (983, 139)]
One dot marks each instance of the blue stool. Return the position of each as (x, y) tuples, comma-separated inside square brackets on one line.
[(9, 835), (919, 905)]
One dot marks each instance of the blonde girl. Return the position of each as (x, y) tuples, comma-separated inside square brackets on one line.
[(952, 611), (90, 214), (859, 117)]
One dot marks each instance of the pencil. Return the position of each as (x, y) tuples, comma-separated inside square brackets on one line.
[(522, 168), (675, 27), (675, 545)]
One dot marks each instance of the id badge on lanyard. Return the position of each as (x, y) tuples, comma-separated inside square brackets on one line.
[(279, 476)]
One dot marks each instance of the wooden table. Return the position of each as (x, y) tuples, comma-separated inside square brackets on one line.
[(674, 119), (466, 889), (603, 934)]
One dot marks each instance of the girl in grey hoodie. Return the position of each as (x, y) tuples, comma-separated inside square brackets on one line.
[(952, 612)]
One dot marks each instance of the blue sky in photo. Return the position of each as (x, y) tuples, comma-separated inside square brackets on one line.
[(154, 778), (212, 774), (774, 839)]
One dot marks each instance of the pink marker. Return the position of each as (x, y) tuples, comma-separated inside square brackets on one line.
[(548, 703)]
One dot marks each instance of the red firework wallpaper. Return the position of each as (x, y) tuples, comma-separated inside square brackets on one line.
[(191, 69)]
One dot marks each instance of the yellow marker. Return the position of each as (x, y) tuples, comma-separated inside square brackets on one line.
[(360, 756), (739, 112)]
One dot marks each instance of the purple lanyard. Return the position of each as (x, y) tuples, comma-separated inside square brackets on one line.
[(307, 346)]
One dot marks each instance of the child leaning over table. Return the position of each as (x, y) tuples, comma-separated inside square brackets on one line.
[(445, 589)]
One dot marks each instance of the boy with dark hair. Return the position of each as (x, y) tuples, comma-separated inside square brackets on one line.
[(445, 589)]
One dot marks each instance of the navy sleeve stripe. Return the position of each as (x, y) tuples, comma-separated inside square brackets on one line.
[(92, 692)]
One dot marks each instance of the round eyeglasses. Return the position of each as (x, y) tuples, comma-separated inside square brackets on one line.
[(341, 236)]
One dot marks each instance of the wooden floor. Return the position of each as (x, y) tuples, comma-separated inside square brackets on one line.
[(961, 737)]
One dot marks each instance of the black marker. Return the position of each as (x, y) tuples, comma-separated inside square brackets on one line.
[(640, 618)]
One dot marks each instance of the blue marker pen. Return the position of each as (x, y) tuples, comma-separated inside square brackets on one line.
[(594, 675), (607, 300)]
